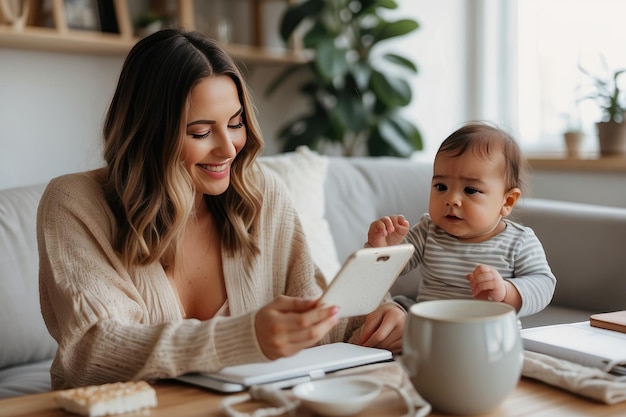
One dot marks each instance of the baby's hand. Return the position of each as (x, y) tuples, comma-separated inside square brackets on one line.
[(487, 284), (388, 230)]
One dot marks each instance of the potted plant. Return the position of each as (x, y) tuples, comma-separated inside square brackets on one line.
[(609, 98), (573, 135), (355, 95)]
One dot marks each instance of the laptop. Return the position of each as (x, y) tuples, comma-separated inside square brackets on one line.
[(579, 343), (308, 364)]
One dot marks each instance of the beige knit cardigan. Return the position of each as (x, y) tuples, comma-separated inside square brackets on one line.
[(114, 325)]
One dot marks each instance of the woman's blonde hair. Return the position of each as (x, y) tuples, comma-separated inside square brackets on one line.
[(147, 186)]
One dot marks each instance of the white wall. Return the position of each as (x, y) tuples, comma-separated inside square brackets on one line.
[(438, 48), (605, 188), (51, 111)]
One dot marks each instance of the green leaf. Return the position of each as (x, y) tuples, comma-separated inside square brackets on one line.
[(395, 135), (330, 61), (617, 74), (361, 73), (351, 112), (316, 35), (393, 91), (403, 62), (336, 129), (386, 30), (294, 16), (407, 130), (387, 4), (370, 6), (377, 146)]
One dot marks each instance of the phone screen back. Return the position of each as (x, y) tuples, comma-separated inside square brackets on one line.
[(365, 278)]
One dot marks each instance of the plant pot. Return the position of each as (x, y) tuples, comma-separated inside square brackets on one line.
[(612, 138), (573, 143)]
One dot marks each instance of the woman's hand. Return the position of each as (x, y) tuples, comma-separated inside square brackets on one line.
[(383, 328), (289, 324), (387, 231)]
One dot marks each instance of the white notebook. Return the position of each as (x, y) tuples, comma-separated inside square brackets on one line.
[(579, 343), (308, 364)]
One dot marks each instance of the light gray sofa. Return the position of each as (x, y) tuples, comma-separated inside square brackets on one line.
[(584, 244)]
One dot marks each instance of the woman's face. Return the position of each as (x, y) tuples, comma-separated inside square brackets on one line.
[(214, 134)]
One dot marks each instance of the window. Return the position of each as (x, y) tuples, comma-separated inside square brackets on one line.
[(554, 37)]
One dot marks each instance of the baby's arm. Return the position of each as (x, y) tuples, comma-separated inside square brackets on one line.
[(487, 284), (387, 231)]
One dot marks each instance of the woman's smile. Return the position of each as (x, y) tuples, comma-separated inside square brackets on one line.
[(217, 171)]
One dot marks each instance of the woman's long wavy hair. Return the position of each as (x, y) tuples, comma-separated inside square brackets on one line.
[(146, 184)]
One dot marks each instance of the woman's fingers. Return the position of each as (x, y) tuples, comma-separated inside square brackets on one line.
[(384, 327), (287, 325)]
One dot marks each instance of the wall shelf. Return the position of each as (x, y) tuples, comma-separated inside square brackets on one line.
[(48, 39), (587, 163), (63, 39)]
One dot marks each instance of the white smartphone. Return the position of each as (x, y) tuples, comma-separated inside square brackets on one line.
[(365, 278)]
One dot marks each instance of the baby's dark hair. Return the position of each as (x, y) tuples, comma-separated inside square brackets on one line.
[(483, 139)]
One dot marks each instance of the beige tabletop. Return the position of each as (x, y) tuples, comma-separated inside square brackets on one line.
[(530, 398)]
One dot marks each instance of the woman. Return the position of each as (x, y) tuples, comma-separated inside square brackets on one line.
[(181, 254)]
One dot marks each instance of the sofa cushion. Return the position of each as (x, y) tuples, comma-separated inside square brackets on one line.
[(360, 189), (24, 335), (304, 173), (25, 379)]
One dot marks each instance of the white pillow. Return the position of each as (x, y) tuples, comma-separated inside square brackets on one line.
[(304, 173)]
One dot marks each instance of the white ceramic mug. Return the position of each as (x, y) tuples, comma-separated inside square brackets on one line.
[(463, 356)]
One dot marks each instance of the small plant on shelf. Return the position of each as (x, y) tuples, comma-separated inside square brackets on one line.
[(607, 94), (609, 98)]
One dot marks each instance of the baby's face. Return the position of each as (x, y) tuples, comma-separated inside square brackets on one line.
[(468, 194)]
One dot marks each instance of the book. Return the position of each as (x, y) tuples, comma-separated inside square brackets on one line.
[(615, 320), (579, 343)]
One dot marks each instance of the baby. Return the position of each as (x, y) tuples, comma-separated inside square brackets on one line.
[(465, 245)]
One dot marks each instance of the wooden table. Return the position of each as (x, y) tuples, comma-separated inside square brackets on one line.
[(530, 398)]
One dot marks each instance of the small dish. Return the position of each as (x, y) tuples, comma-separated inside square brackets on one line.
[(342, 396)]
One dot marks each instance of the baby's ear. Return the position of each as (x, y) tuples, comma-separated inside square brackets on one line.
[(510, 198)]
